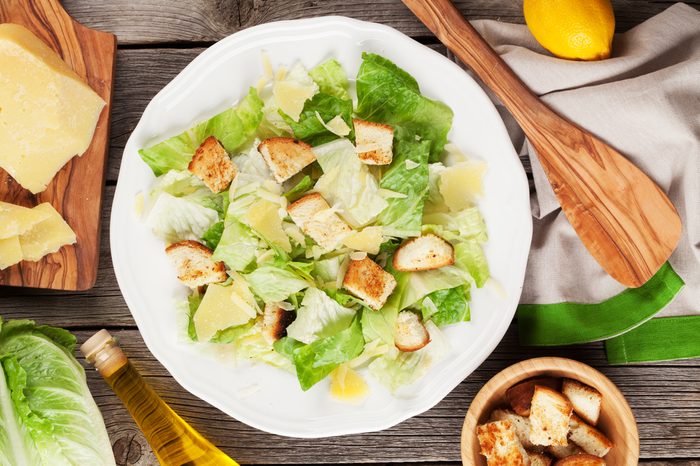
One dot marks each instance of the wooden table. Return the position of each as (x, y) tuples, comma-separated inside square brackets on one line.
[(157, 38)]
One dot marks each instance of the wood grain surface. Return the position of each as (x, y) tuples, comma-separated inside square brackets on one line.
[(157, 39), (76, 190)]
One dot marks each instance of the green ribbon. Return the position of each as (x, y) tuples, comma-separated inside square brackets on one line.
[(663, 339), (571, 323)]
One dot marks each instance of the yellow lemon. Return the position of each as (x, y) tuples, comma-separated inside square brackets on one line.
[(573, 29)]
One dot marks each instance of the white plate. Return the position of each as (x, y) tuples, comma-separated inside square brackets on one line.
[(262, 396)]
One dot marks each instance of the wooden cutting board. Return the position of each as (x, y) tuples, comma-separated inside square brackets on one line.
[(76, 190)]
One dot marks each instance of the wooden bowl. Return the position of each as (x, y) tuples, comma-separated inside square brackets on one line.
[(616, 418)]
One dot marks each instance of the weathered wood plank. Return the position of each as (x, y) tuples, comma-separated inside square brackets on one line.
[(668, 424), (210, 20)]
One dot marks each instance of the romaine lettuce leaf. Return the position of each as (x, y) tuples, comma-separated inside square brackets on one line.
[(299, 189), (387, 94), (421, 284), (212, 236), (232, 127), (177, 218), (396, 368), (381, 324), (446, 307), (318, 317), (468, 224), (469, 256), (310, 129), (315, 361), (238, 246), (404, 215), (331, 79), (49, 398), (347, 183), (273, 284)]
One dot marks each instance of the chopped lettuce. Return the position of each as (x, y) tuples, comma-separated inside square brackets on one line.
[(232, 127), (311, 125), (404, 215), (177, 218), (381, 324), (315, 361), (469, 256), (421, 284), (331, 79), (396, 368), (46, 411), (299, 189), (193, 302), (467, 224), (319, 317), (238, 246), (387, 94), (446, 307), (347, 183), (212, 236), (274, 284)]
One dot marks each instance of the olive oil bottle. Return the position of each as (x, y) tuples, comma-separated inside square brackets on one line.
[(173, 441)]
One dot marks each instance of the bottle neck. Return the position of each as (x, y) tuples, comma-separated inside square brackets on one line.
[(102, 351)]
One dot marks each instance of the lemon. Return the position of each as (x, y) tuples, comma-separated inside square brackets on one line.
[(573, 29)]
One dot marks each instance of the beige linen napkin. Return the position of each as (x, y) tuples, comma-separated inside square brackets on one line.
[(644, 101)]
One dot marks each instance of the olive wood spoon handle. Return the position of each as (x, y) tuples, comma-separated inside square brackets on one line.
[(622, 217)]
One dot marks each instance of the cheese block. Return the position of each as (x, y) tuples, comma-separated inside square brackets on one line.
[(10, 252), (16, 220), (48, 113), (46, 236)]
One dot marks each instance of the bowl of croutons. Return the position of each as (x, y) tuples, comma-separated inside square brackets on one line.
[(550, 412)]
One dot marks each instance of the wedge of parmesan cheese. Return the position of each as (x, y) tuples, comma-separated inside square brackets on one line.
[(221, 307), (16, 220), (47, 236), (10, 252), (291, 90), (368, 240), (460, 185), (264, 217), (48, 113)]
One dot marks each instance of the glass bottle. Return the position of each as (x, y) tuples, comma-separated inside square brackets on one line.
[(173, 441)]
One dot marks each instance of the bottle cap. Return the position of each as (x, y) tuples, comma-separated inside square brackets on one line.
[(95, 343)]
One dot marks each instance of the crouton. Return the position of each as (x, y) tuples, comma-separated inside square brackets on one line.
[(314, 216), (549, 417), (580, 460), (411, 334), (520, 396), (194, 264), (520, 423), (212, 165), (286, 156), (562, 451), (426, 252), (500, 445), (275, 322), (374, 142), (369, 282), (539, 459), (585, 400), (590, 439)]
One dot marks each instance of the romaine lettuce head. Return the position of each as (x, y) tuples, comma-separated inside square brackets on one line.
[(396, 368), (387, 94), (232, 127), (46, 411), (347, 183), (318, 317)]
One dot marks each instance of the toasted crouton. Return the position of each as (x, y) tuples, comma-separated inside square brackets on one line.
[(374, 142), (520, 423), (539, 459), (500, 445), (585, 400), (590, 439), (520, 396), (580, 460), (411, 334), (369, 282), (426, 252), (549, 417), (562, 451), (212, 165), (275, 322), (194, 264), (314, 216), (286, 156)]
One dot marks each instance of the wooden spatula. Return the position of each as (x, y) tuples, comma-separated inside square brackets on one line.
[(623, 218)]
